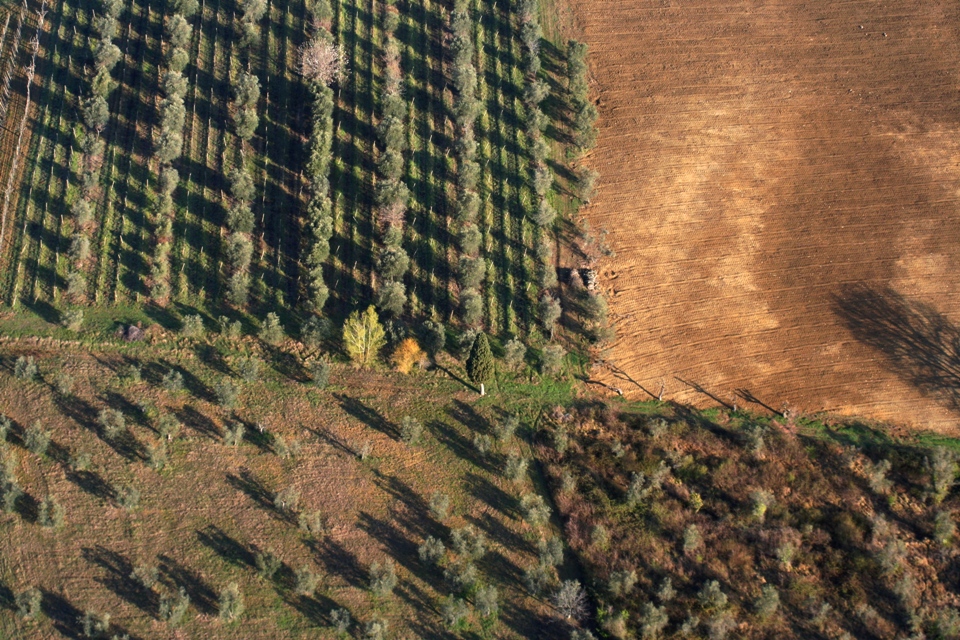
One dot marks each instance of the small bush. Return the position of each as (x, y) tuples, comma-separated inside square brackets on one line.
[(515, 468), (64, 383), (768, 603), (95, 625), (192, 327), (313, 523), (271, 331), (25, 368), (227, 394), (267, 564), (942, 465), (340, 620), (760, 500), (132, 373), (621, 583), (146, 575), (944, 528), (469, 542), (72, 319), (249, 369), (173, 606), (514, 354), (168, 426), (51, 513), (535, 510), (692, 540), (600, 537), (80, 461), (487, 602), (538, 578), (453, 613), (287, 501), (711, 597), (877, 475), (306, 581), (552, 359), (376, 629), (653, 621), (112, 422), (172, 381), (507, 427), (320, 373), (128, 497), (411, 430), (36, 438), (231, 603), (666, 592), (482, 443), (440, 506), (233, 436), (462, 576), (550, 551), (432, 551), (28, 603), (383, 578)]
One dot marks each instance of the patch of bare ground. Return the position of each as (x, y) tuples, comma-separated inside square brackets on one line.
[(780, 182)]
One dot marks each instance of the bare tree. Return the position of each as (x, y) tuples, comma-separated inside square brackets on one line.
[(322, 61)]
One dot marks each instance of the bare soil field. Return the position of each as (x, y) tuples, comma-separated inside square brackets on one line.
[(780, 182)]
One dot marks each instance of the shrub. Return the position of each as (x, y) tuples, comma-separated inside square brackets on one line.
[(537, 578), (552, 359), (146, 575), (36, 438), (571, 600), (469, 542), (515, 467), (306, 581), (432, 551), (440, 506), (376, 629), (653, 621), (877, 475), (666, 592), (453, 613), (267, 564), (760, 500), (340, 620), (233, 436), (550, 551), (192, 327), (621, 583), (434, 336), (549, 311), (944, 528), (51, 513), (768, 603), (25, 368), (482, 443), (131, 372), (320, 373), (462, 576), (486, 601), (72, 319), (942, 465), (720, 626), (227, 393), (507, 427), (249, 369), (411, 430), (600, 537), (271, 331), (407, 354), (168, 426), (173, 606), (287, 500), (383, 578), (711, 597), (172, 381), (312, 523), (231, 603), (363, 337), (11, 493), (28, 603), (128, 497), (692, 540), (535, 510), (314, 331)]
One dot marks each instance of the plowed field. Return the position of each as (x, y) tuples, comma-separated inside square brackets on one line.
[(780, 180)]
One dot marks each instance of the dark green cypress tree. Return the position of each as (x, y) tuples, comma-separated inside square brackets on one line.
[(480, 362)]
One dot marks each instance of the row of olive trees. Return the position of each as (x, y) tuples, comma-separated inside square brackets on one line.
[(169, 144), (95, 113), (392, 194), (472, 267), (542, 212), (583, 110), (243, 110), (320, 64)]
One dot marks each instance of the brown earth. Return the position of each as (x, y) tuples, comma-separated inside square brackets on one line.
[(780, 181)]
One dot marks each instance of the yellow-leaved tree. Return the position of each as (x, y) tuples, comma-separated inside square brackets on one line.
[(407, 354), (363, 337)]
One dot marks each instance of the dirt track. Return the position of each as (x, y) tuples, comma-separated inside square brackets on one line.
[(760, 160)]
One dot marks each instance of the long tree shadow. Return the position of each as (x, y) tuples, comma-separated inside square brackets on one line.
[(199, 423), (367, 415), (65, 617), (201, 594), (461, 446), (259, 493), (93, 483), (340, 562), (119, 580), (921, 344), (226, 547)]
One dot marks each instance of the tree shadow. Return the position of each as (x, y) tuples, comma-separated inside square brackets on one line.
[(93, 483), (226, 547), (201, 595), (340, 562), (199, 423), (65, 617), (367, 415), (498, 499), (258, 492), (461, 447), (192, 383), (468, 416), (921, 344), (119, 580)]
